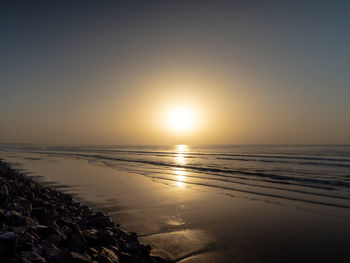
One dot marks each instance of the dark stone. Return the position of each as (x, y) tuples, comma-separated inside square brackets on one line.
[(56, 239), (40, 224), (33, 257), (40, 213), (4, 194), (23, 205), (50, 251), (90, 235), (125, 257), (63, 256), (5, 236), (78, 231), (42, 230), (74, 242), (26, 241), (99, 220), (80, 258), (18, 229), (3, 250), (131, 245), (93, 252), (25, 260), (107, 256), (2, 215), (27, 192), (14, 218), (37, 202), (106, 236), (29, 221)]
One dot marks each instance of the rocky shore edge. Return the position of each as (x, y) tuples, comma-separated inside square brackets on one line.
[(40, 224)]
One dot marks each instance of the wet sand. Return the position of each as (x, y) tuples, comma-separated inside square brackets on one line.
[(186, 223), (40, 224)]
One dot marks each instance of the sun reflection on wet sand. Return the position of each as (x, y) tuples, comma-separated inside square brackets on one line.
[(180, 184), (180, 177), (179, 172)]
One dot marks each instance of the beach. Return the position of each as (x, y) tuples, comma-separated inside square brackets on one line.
[(189, 210), (174, 131), (39, 224)]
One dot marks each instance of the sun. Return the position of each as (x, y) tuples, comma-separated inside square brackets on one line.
[(181, 119)]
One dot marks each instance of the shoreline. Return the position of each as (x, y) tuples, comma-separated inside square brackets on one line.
[(41, 224)]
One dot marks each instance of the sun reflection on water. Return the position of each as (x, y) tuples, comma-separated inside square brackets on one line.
[(181, 148), (180, 159)]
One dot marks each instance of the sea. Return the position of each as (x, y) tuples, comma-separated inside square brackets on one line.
[(217, 203)]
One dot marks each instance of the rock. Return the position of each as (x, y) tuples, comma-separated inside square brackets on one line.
[(90, 235), (40, 213), (26, 241), (74, 242), (131, 245), (50, 251), (8, 240), (63, 256), (29, 222), (158, 260), (99, 220), (4, 194), (27, 192), (33, 257), (42, 230), (125, 257), (55, 229), (37, 202), (93, 252), (78, 231), (3, 250), (25, 260), (115, 249), (2, 215), (56, 239), (105, 236), (18, 229), (23, 205), (4, 236), (107, 256), (80, 258), (38, 225), (14, 218)]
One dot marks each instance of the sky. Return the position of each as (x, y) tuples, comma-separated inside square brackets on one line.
[(111, 72)]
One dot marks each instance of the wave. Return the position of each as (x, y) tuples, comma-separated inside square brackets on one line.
[(259, 193), (172, 153), (215, 170), (286, 162), (230, 179)]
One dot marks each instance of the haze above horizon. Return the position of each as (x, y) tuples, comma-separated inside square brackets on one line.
[(174, 72)]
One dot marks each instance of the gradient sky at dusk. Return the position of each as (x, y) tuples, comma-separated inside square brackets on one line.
[(102, 72)]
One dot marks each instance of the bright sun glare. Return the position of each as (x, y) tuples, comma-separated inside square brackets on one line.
[(181, 119)]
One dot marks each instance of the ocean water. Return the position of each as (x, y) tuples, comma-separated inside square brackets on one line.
[(210, 203)]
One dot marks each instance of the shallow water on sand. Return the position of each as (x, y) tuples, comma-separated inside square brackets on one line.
[(210, 204)]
